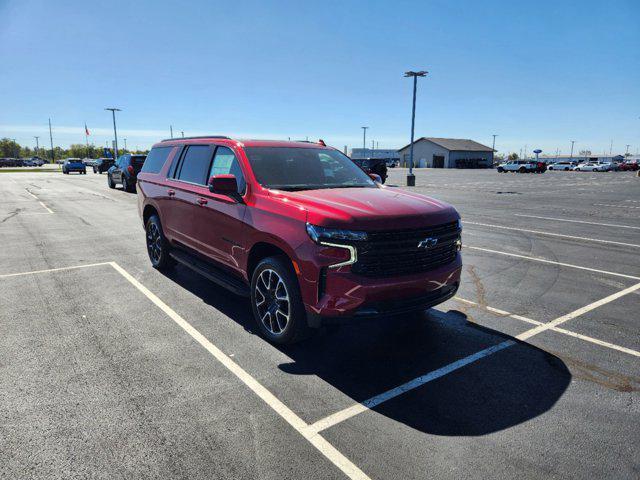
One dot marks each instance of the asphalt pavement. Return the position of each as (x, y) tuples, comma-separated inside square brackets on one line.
[(111, 369)]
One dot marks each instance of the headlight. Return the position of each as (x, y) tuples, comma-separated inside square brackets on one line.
[(318, 234)]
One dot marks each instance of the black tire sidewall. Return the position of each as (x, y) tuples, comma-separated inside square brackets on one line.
[(297, 328), (165, 259)]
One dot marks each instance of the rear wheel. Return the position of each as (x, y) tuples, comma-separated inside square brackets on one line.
[(276, 301), (500, 170), (522, 170), (157, 245), (110, 182)]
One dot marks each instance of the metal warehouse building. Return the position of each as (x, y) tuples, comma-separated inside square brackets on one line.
[(447, 153)]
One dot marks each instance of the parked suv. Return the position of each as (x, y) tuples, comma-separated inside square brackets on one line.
[(298, 228), (520, 166), (101, 165), (125, 171)]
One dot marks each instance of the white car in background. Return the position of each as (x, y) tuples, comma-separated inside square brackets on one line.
[(520, 166), (590, 167), (566, 166)]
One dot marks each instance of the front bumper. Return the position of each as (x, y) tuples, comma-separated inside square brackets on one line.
[(347, 296)]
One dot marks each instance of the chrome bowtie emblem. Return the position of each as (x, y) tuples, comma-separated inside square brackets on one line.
[(428, 243)]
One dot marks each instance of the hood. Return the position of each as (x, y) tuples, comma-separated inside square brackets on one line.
[(371, 208)]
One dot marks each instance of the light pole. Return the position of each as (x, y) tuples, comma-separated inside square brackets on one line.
[(37, 145), (182, 131), (626, 154), (364, 141), (411, 178), (53, 158), (125, 145), (493, 147), (115, 132), (571, 156), (171, 130)]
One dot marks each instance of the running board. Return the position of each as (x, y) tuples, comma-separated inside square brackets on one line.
[(210, 272)]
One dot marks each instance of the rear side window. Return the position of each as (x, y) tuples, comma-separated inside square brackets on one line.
[(155, 160), (137, 161), (195, 164)]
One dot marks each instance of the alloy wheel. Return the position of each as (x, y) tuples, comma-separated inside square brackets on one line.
[(154, 242), (272, 301)]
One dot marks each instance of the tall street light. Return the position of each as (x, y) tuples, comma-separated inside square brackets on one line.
[(411, 178), (37, 145), (53, 156), (115, 132), (494, 142), (364, 141), (571, 157)]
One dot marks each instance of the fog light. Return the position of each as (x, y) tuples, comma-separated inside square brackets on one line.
[(458, 244)]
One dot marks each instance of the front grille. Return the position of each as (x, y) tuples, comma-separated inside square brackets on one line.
[(393, 253)]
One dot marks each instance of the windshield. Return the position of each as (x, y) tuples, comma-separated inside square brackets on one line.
[(290, 168)]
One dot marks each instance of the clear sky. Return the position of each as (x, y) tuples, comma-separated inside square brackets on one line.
[(537, 73)]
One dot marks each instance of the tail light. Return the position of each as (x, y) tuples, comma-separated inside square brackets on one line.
[(130, 170)]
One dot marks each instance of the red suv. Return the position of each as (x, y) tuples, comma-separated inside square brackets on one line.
[(298, 228)]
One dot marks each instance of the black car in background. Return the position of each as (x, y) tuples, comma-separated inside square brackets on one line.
[(373, 165), (101, 165), (125, 171)]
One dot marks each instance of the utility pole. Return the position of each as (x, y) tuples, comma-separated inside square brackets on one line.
[(373, 147), (364, 141), (125, 145), (627, 152), (171, 130), (571, 156), (611, 148), (411, 178), (37, 145), (493, 147), (53, 159), (115, 132)]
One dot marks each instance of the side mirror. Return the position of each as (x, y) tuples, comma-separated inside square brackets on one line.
[(224, 185), (375, 177)]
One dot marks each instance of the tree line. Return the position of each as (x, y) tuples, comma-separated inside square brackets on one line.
[(11, 149)]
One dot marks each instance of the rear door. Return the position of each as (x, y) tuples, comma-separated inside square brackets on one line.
[(189, 179), (219, 218)]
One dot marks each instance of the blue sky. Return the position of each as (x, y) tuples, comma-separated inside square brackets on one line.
[(537, 73)]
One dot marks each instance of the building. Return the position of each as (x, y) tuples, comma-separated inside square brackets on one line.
[(361, 153), (447, 153)]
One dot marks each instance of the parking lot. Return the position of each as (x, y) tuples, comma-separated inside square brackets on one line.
[(111, 369)]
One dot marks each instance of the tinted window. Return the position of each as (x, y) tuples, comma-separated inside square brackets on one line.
[(195, 164), (156, 158), (225, 163)]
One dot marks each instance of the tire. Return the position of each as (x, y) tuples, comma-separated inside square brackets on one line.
[(95, 170), (522, 170), (158, 247), (566, 169), (125, 184), (500, 170), (285, 321), (110, 182)]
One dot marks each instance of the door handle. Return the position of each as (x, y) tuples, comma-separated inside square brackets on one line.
[(202, 201), (171, 193)]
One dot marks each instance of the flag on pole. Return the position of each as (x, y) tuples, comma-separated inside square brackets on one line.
[(86, 130)]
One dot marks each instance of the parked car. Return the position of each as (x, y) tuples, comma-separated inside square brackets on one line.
[(299, 229), (74, 165), (125, 171), (566, 166), (520, 166), (102, 165), (377, 166), (629, 165), (392, 163), (589, 167)]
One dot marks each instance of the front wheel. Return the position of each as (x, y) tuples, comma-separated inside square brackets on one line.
[(500, 170), (276, 301)]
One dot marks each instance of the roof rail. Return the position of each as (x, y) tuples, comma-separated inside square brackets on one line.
[(192, 138)]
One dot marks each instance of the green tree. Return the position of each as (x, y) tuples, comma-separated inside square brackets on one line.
[(9, 148), (513, 156)]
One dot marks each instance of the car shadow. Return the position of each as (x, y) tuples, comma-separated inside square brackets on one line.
[(365, 359)]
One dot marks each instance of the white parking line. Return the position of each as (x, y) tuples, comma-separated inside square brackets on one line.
[(6, 275), (550, 234), (354, 410), (577, 221), (579, 336), (552, 262), (576, 313), (319, 442), (616, 206), (39, 201), (358, 408)]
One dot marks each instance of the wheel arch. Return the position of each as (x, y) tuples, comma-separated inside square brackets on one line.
[(261, 250)]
